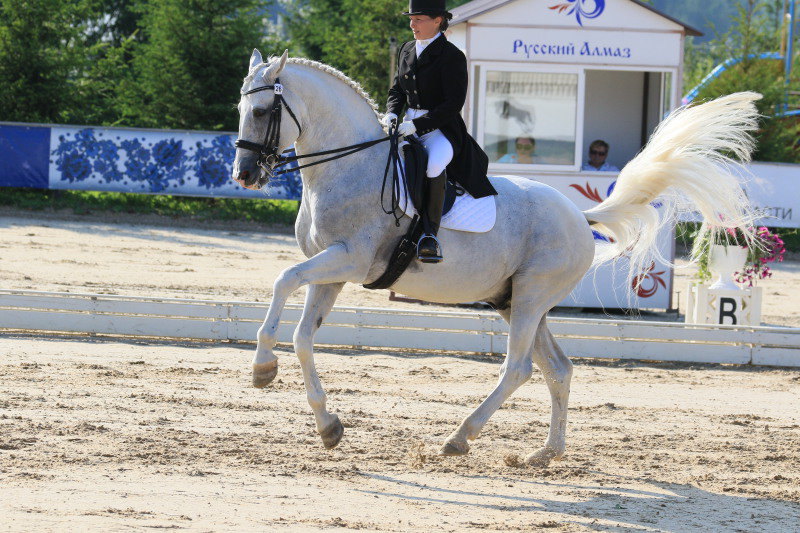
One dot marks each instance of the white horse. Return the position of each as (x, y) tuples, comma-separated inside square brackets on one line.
[(538, 250)]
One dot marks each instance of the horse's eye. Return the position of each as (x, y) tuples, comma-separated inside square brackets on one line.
[(259, 111)]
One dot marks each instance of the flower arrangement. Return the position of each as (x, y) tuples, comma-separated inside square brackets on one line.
[(769, 249), (763, 247)]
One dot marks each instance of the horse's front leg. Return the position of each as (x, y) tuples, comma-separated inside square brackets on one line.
[(331, 265)]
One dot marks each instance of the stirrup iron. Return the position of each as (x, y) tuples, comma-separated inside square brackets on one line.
[(430, 258)]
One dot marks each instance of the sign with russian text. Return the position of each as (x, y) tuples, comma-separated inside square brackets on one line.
[(774, 190), (602, 47)]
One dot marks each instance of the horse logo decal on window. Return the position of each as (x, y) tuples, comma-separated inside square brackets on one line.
[(579, 9)]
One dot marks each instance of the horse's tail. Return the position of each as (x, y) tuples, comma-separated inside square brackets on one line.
[(689, 157)]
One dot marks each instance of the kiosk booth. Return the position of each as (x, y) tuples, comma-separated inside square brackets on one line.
[(560, 74)]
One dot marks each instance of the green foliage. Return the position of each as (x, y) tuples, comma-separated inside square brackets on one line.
[(100, 88), (115, 21), (164, 64), (44, 50), (754, 31), (188, 69), (753, 27), (701, 248), (84, 202), (351, 35)]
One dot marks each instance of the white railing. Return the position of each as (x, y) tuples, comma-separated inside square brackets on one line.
[(395, 328)]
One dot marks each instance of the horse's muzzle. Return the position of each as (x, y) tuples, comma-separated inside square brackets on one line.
[(252, 180)]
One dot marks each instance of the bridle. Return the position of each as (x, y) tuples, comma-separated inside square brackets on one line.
[(269, 159), (268, 156)]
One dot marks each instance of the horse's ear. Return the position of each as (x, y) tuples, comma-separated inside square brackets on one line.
[(255, 58), (282, 62)]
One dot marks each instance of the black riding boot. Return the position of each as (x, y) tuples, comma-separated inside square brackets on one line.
[(428, 249)]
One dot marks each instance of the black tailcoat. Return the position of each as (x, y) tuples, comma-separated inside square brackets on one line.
[(437, 81)]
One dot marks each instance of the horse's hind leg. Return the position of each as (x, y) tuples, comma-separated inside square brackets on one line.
[(319, 301), (557, 371), (524, 318)]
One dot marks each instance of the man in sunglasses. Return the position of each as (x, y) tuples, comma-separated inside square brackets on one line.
[(524, 154), (598, 152)]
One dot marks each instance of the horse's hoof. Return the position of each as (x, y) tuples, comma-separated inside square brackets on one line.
[(332, 434), (541, 457), (453, 447), (264, 373)]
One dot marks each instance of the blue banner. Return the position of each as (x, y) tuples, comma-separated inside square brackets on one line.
[(128, 160), (24, 154)]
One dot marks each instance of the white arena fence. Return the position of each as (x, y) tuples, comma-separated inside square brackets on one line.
[(392, 328)]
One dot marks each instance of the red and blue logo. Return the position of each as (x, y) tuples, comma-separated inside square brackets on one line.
[(581, 9)]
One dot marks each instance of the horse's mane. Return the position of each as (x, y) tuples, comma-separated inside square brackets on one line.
[(338, 74)]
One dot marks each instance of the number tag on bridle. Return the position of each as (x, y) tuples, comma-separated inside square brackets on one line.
[(278, 88)]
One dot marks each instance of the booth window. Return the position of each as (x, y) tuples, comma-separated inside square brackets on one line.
[(531, 117)]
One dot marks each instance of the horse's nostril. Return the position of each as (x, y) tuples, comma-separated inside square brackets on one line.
[(244, 174)]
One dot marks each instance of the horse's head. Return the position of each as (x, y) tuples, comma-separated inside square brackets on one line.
[(267, 126)]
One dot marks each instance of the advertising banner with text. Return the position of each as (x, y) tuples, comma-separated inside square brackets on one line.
[(545, 45)]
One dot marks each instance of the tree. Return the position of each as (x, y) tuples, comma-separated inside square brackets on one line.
[(63, 62), (188, 70), (43, 54), (117, 22), (751, 28), (753, 31)]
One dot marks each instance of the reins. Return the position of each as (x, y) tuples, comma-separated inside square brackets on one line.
[(353, 149), (269, 159)]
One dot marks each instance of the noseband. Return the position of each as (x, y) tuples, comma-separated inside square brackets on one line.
[(268, 156)]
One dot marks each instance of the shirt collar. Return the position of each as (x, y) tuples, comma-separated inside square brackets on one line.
[(423, 43)]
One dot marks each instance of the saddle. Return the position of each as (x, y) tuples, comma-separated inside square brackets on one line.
[(416, 164)]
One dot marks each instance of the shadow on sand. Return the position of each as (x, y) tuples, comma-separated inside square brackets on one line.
[(630, 504)]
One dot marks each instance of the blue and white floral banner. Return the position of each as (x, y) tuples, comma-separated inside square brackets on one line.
[(127, 160)]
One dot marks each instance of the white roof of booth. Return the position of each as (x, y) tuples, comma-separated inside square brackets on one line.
[(514, 9)]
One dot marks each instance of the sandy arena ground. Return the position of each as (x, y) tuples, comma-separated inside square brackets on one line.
[(113, 434)]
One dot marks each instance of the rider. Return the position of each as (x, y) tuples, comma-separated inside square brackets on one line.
[(431, 82)]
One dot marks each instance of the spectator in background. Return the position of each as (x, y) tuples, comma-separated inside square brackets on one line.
[(524, 153), (598, 152)]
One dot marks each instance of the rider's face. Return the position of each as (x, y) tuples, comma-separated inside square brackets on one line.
[(423, 26)]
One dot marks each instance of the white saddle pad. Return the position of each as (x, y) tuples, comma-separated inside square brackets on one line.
[(475, 215)]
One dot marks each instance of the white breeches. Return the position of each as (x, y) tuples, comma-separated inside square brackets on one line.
[(440, 152)]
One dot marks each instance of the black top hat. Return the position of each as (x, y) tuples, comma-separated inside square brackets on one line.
[(428, 7)]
